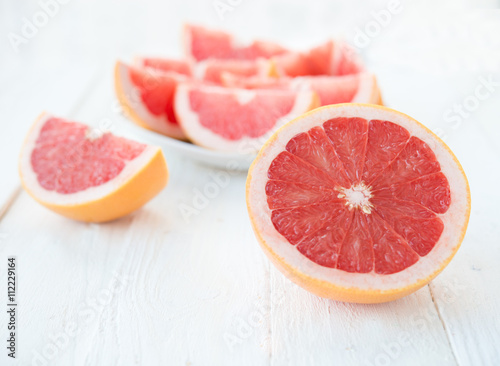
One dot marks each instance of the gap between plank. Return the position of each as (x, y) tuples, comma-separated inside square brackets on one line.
[(270, 331), (443, 325), (95, 79), (10, 201)]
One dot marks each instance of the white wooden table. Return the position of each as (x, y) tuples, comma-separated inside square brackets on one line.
[(155, 288)]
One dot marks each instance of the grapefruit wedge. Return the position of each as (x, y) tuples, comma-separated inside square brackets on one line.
[(165, 64), (213, 70), (202, 43), (236, 120), (358, 203), (330, 58), (147, 96), (83, 175), (355, 88)]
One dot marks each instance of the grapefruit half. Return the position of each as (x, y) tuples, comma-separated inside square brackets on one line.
[(81, 174), (147, 96), (236, 120), (358, 202)]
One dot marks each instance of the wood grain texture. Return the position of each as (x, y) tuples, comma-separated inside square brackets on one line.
[(157, 288)]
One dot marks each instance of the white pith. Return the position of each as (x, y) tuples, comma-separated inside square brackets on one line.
[(90, 194), (133, 100), (366, 87), (455, 219), (205, 137), (357, 196)]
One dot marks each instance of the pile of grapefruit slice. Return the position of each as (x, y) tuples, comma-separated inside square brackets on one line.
[(229, 96)]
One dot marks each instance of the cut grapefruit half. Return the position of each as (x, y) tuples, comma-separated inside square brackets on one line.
[(202, 43), (147, 95), (84, 175), (236, 120), (358, 202)]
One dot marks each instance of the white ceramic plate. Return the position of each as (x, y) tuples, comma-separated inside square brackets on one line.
[(218, 159)]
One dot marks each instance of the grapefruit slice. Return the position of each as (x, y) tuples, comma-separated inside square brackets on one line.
[(358, 203), (147, 96), (202, 43), (331, 58), (164, 64), (83, 175), (355, 88), (213, 70), (227, 119), (255, 82)]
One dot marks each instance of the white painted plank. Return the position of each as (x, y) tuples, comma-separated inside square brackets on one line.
[(201, 292), (467, 293), (307, 330)]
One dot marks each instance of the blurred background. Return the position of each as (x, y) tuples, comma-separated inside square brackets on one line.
[(427, 55)]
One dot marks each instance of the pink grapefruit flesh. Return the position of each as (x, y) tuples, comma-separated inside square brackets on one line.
[(202, 43), (165, 64), (222, 118)]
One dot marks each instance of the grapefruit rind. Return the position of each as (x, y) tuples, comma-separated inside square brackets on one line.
[(139, 181), (334, 283)]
